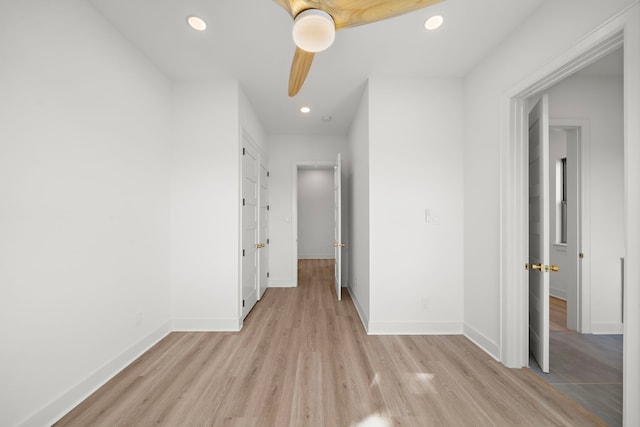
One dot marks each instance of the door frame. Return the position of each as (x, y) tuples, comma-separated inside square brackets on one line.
[(622, 29), (245, 136), (514, 343), (328, 165)]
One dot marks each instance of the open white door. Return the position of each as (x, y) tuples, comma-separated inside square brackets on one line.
[(337, 244), (539, 232)]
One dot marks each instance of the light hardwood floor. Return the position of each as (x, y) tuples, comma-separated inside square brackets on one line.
[(304, 359), (558, 315)]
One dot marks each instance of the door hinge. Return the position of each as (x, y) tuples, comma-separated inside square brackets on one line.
[(267, 274), (243, 252), (268, 173), (268, 207), (267, 241), (243, 303), (244, 151), (243, 202)]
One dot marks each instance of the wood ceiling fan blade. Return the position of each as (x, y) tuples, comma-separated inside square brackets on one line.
[(286, 5), (351, 13), (302, 61)]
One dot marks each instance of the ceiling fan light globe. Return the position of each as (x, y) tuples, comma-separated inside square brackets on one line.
[(314, 30)]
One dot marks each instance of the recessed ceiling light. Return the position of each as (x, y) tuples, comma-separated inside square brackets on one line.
[(434, 22), (197, 23), (305, 110)]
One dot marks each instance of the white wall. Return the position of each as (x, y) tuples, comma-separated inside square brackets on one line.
[(316, 224), (359, 285), (551, 30), (84, 210), (600, 101), (252, 124), (205, 182), (415, 152), (284, 152)]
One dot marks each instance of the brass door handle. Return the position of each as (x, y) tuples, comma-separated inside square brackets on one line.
[(259, 245), (544, 268), (339, 245)]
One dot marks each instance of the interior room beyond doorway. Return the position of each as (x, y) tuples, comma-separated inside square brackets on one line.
[(315, 212)]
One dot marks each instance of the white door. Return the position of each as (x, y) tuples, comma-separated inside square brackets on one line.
[(539, 232), (337, 244), (249, 229), (263, 279)]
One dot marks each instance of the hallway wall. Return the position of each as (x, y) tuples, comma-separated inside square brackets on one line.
[(416, 210), (316, 225), (84, 206)]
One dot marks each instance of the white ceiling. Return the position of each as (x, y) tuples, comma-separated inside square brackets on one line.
[(250, 40)]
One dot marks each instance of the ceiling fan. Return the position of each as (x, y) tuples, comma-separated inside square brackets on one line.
[(316, 21)]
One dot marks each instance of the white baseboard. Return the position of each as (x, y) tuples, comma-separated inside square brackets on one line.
[(415, 328), (231, 324), (360, 310), (558, 293), (71, 398), (486, 344), (277, 283), (607, 328), (323, 256)]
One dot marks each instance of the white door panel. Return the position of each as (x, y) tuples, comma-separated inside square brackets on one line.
[(263, 261), (539, 232), (338, 244)]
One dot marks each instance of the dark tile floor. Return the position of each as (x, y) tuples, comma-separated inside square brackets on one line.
[(588, 369)]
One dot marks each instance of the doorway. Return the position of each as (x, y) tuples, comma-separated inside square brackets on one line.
[(315, 212), (584, 238), (317, 215)]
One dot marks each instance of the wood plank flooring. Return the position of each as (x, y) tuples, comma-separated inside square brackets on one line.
[(304, 359), (558, 315)]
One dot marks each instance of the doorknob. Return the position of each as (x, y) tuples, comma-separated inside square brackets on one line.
[(339, 245), (545, 268), (259, 245)]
